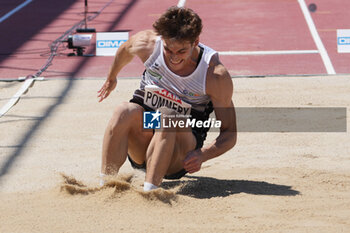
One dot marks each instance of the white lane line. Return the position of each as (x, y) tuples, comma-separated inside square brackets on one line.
[(8, 15), (181, 3), (324, 55), (277, 52), (13, 101)]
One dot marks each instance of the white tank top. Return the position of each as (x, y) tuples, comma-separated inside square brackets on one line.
[(190, 89)]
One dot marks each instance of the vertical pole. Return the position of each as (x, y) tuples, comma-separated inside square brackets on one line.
[(86, 29), (86, 10)]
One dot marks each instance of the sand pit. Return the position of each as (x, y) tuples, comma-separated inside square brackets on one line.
[(270, 182)]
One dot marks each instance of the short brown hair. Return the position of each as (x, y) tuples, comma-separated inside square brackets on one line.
[(179, 23)]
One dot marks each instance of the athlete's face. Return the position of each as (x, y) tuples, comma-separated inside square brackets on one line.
[(178, 53)]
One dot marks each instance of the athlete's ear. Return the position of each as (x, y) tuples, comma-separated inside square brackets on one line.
[(196, 42)]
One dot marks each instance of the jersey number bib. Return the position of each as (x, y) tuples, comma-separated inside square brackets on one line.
[(156, 97)]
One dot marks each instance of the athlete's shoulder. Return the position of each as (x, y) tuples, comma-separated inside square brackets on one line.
[(218, 78), (142, 43), (216, 70)]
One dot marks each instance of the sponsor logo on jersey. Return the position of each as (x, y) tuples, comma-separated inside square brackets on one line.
[(154, 74), (188, 93)]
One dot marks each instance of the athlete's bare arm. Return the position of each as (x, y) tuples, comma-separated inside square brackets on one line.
[(219, 87), (140, 45)]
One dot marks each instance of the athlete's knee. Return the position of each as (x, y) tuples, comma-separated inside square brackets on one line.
[(125, 115), (169, 119), (172, 121), (165, 134), (169, 128), (167, 112)]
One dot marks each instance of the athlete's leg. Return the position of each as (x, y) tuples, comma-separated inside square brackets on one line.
[(166, 152), (124, 132)]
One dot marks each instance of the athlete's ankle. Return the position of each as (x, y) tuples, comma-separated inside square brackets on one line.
[(102, 178), (148, 186)]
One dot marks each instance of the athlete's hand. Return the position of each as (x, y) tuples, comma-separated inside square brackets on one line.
[(106, 89), (193, 161)]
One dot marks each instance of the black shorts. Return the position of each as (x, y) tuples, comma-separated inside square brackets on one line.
[(174, 176), (199, 134)]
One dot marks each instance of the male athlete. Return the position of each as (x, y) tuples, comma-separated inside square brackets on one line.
[(193, 76)]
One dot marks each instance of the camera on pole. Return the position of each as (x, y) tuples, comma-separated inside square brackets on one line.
[(86, 29), (78, 43)]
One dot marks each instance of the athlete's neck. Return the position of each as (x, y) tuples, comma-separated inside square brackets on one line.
[(190, 64)]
